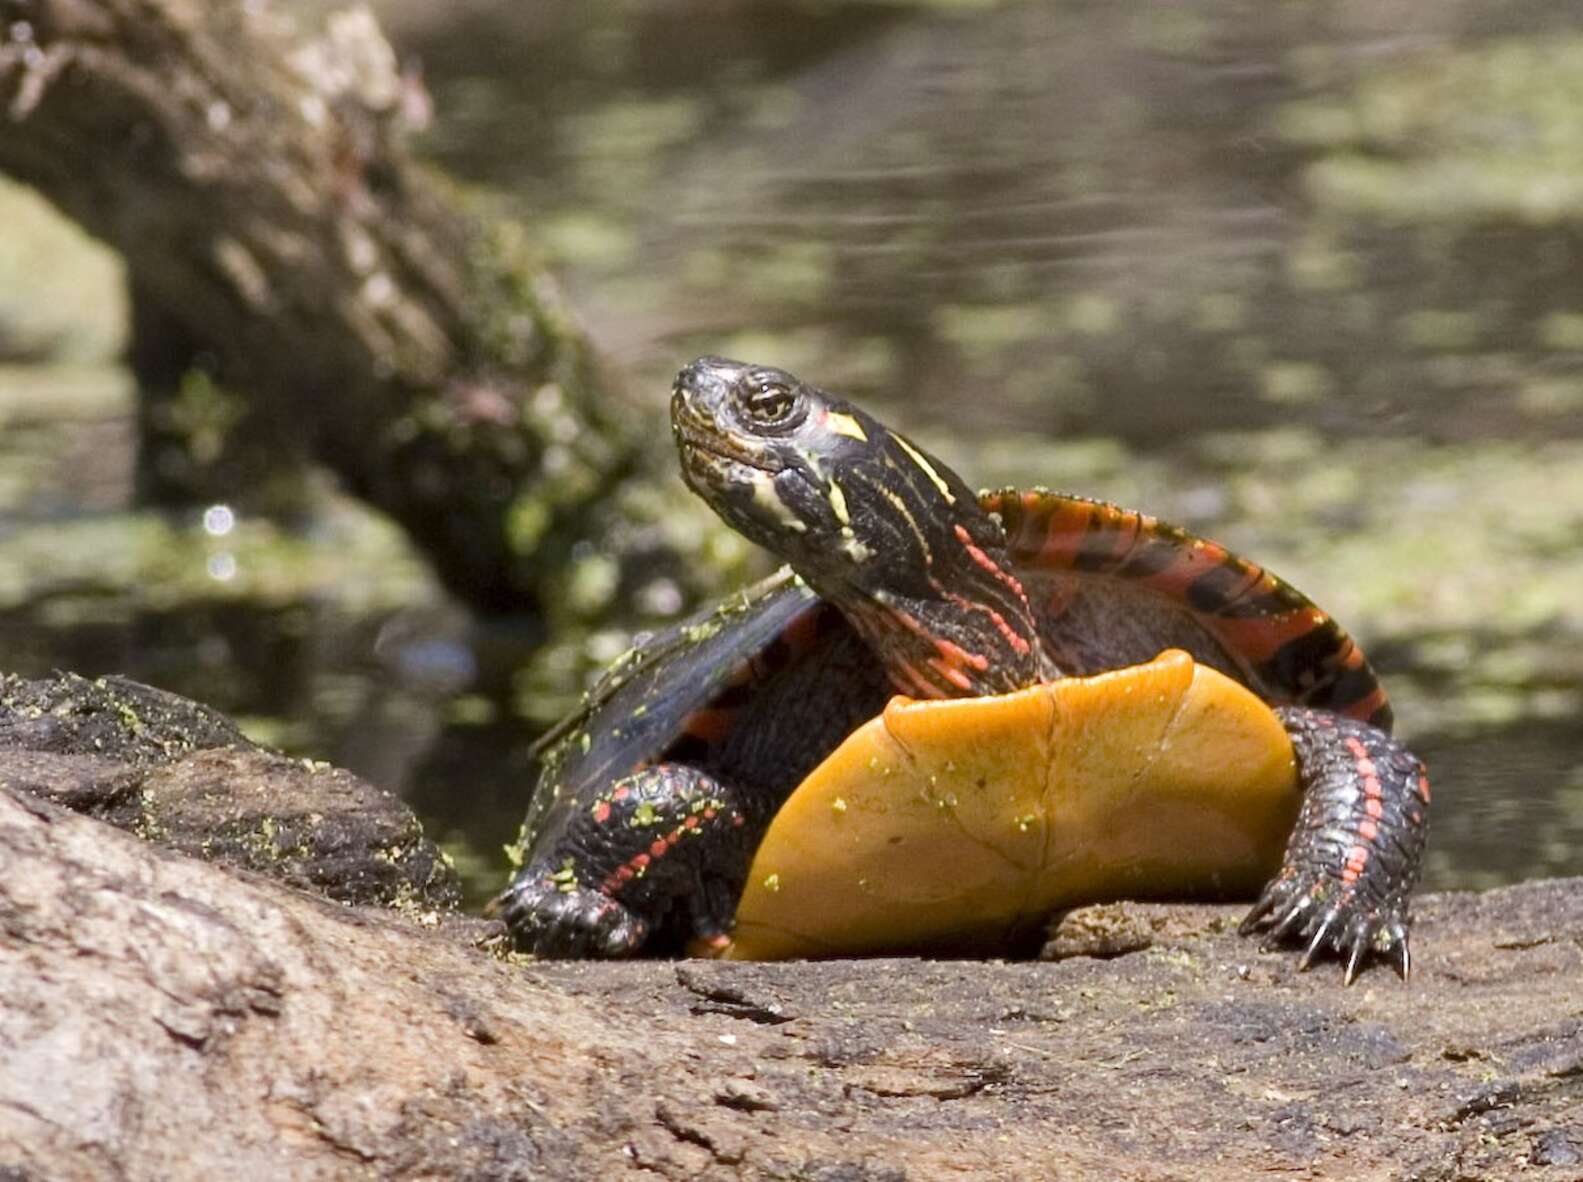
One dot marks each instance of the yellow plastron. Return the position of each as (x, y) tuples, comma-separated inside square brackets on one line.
[(947, 826)]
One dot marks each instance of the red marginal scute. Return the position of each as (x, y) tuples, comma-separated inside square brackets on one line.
[(1064, 529), (1364, 709), (1186, 568), (1260, 637)]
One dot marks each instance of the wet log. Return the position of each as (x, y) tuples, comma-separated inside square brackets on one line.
[(302, 287)]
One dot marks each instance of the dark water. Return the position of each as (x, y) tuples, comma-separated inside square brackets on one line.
[(1305, 278)]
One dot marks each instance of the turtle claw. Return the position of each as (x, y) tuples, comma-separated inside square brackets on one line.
[(1309, 909), (1277, 909), (1321, 933), (1360, 945)]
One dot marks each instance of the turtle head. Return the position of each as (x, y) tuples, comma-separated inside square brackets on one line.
[(874, 523), (783, 462)]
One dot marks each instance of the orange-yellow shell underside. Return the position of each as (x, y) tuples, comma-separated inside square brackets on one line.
[(946, 826)]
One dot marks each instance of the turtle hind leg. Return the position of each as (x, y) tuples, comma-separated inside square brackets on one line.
[(1354, 856), (665, 839)]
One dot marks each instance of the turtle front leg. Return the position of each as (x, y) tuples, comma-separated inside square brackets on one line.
[(665, 836), (1354, 856)]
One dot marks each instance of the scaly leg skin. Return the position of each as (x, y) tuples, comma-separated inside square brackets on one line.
[(665, 836), (1353, 858)]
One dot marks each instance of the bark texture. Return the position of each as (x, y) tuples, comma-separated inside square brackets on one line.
[(169, 1019), (336, 300)]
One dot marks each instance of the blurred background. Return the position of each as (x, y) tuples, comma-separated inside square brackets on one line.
[(1304, 278)]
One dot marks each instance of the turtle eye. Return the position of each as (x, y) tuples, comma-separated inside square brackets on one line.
[(770, 404)]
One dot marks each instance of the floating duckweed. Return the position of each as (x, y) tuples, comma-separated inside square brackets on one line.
[(772, 883), (644, 815), (838, 805)]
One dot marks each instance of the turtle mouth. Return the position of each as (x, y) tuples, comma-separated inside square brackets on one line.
[(699, 442), (707, 466), (710, 450), (709, 454), (749, 493)]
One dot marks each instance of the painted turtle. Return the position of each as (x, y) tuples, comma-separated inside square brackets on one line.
[(654, 796)]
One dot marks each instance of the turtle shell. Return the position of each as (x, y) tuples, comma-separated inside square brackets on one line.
[(950, 826), (1113, 587)]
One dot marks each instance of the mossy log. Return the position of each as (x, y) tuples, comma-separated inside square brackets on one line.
[(303, 288)]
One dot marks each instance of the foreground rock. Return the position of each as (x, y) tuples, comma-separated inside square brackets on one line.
[(166, 1018)]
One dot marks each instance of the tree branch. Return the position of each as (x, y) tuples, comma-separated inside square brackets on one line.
[(256, 181)]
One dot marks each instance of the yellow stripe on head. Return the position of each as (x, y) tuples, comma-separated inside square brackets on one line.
[(845, 425), (768, 497), (928, 468), (838, 504)]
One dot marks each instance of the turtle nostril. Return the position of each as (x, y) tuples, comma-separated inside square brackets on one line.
[(709, 375), (698, 380)]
